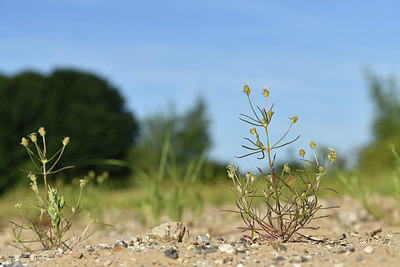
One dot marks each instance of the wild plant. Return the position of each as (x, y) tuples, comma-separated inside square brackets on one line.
[(289, 199), (53, 221), (175, 187)]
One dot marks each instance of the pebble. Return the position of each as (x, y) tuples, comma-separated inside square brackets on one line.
[(227, 248), (205, 250), (369, 250), (107, 263), (360, 257), (219, 261), (171, 253), (170, 231), (342, 236), (25, 256), (278, 247), (15, 264), (77, 255), (121, 243), (204, 239)]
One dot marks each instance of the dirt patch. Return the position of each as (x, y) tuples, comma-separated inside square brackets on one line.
[(350, 237)]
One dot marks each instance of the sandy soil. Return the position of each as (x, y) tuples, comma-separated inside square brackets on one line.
[(349, 237)]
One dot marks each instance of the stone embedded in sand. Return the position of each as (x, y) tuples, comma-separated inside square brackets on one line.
[(170, 231), (227, 248), (171, 253), (121, 243), (369, 250)]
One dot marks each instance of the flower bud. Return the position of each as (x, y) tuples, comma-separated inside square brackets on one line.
[(269, 114), (42, 132), (82, 183), (312, 144), (18, 205), (65, 141), (32, 177), (246, 89), (294, 119), (286, 168), (33, 137), (332, 154), (264, 123), (253, 130), (301, 152), (265, 92), (24, 142)]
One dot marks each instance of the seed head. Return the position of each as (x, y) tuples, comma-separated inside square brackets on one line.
[(332, 154), (264, 123), (33, 137), (246, 89), (32, 177), (286, 168), (312, 144), (248, 174), (42, 132), (294, 119), (34, 187), (24, 142), (82, 183), (253, 177), (265, 92), (301, 152), (65, 141)]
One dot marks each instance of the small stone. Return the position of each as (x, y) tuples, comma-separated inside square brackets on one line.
[(121, 243), (205, 250), (278, 247), (280, 258), (77, 255), (15, 264), (116, 249), (60, 251), (227, 248), (170, 231), (103, 246), (204, 239), (171, 253), (219, 262), (89, 249), (369, 250), (25, 256), (107, 263), (360, 257), (342, 236)]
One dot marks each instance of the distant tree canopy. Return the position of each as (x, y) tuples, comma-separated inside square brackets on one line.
[(67, 103), (385, 126)]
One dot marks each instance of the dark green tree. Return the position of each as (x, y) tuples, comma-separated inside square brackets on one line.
[(385, 126), (70, 103)]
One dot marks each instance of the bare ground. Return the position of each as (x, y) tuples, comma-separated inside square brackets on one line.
[(349, 237)]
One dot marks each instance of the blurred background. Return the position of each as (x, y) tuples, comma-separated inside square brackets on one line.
[(120, 78)]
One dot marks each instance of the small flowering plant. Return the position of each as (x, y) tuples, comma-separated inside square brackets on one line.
[(51, 224), (289, 198)]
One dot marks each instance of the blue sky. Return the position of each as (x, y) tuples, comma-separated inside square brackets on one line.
[(310, 53)]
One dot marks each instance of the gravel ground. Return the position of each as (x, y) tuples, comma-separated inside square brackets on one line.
[(349, 237)]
